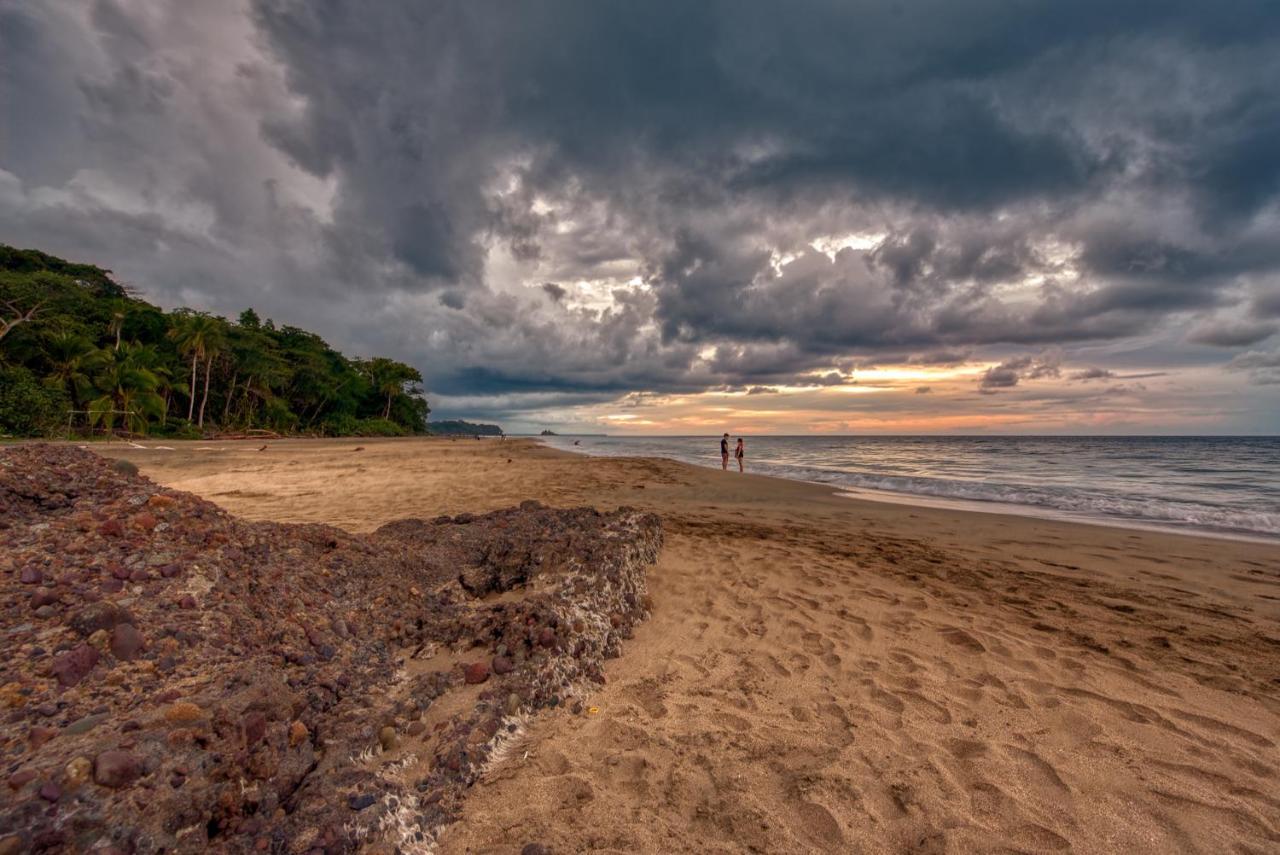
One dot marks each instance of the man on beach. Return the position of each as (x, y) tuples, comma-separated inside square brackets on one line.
[(724, 452)]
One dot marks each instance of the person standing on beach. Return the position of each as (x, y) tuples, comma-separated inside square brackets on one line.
[(724, 452), (740, 452)]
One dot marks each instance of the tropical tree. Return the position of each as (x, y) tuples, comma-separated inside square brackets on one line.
[(119, 314), (389, 378), (128, 385), (72, 360), (196, 335)]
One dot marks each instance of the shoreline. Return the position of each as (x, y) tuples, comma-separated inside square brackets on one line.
[(977, 506), (823, 673)]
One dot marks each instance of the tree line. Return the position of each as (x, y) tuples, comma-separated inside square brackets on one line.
[(79, 351)]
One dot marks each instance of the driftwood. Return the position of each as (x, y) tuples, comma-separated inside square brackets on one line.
[(251, 433)]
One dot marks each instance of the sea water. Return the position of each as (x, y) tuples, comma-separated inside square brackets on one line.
[(1225, 485)]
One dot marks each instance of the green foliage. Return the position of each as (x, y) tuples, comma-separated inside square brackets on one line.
[(72, 339), (378, 427), (458, 427), (27, 406)]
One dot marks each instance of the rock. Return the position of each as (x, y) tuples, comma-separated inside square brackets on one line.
[(116, 769), (182, 713), (187, 602), (145, 520), (95, 616), (387, 739), (298, 734), (535, 849), (415, 728), (38, 736), (126, 642), (43, 597), (100, 640), (50, 792), (255, 728), (124, 467), (477, 672), (360, 802), (84, 725), (74, 665), (20, 779), (547, 637), (45, 612), (77, 771), (502, 665), (111, 528), (12, 844), (31, 576)]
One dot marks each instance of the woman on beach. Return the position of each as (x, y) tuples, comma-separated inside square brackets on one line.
[(740, 452)]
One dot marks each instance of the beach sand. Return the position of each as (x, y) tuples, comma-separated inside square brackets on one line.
[(826, 674)]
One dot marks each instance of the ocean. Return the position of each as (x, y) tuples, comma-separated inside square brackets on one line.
[(1220, 485)]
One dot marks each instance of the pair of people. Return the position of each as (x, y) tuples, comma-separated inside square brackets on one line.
[(739, 452)]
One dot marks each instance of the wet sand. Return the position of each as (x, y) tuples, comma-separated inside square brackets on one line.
[(827, 674)]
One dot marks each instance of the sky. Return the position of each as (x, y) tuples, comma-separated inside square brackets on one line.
[(940, 216)]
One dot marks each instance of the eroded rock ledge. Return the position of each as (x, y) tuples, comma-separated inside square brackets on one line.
[(177, 679)]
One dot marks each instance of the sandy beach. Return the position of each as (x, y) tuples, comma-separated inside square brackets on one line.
[(826, 674)]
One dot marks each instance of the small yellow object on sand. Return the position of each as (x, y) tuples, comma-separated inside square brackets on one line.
[(592, 710)]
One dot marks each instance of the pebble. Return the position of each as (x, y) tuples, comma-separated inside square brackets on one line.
[(360, 802), (116, 768), (84, 725), (74, 665), (255, 728), (387, 738), (502, 665), (126, 642), (31, 576), (50, 792), (95, 616), (535, 849), (77, 771), (477, 672), (298, 734), (38, 736)]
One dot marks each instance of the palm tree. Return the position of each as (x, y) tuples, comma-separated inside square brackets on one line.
[(119, 312), (73, 360), (215, 342), (193, 333), (128, 384)]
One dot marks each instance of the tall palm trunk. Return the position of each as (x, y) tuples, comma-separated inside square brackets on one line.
[(226, 408), (208, 368), (191, 405), (386, 413)]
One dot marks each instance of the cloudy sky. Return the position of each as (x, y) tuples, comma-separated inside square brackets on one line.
[(918, 216)]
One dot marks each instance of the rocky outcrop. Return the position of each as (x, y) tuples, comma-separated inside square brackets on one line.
[(178, 679)]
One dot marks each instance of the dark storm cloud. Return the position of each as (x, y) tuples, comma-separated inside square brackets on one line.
[(420, 178), (1263, 367), (1233, 333)]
